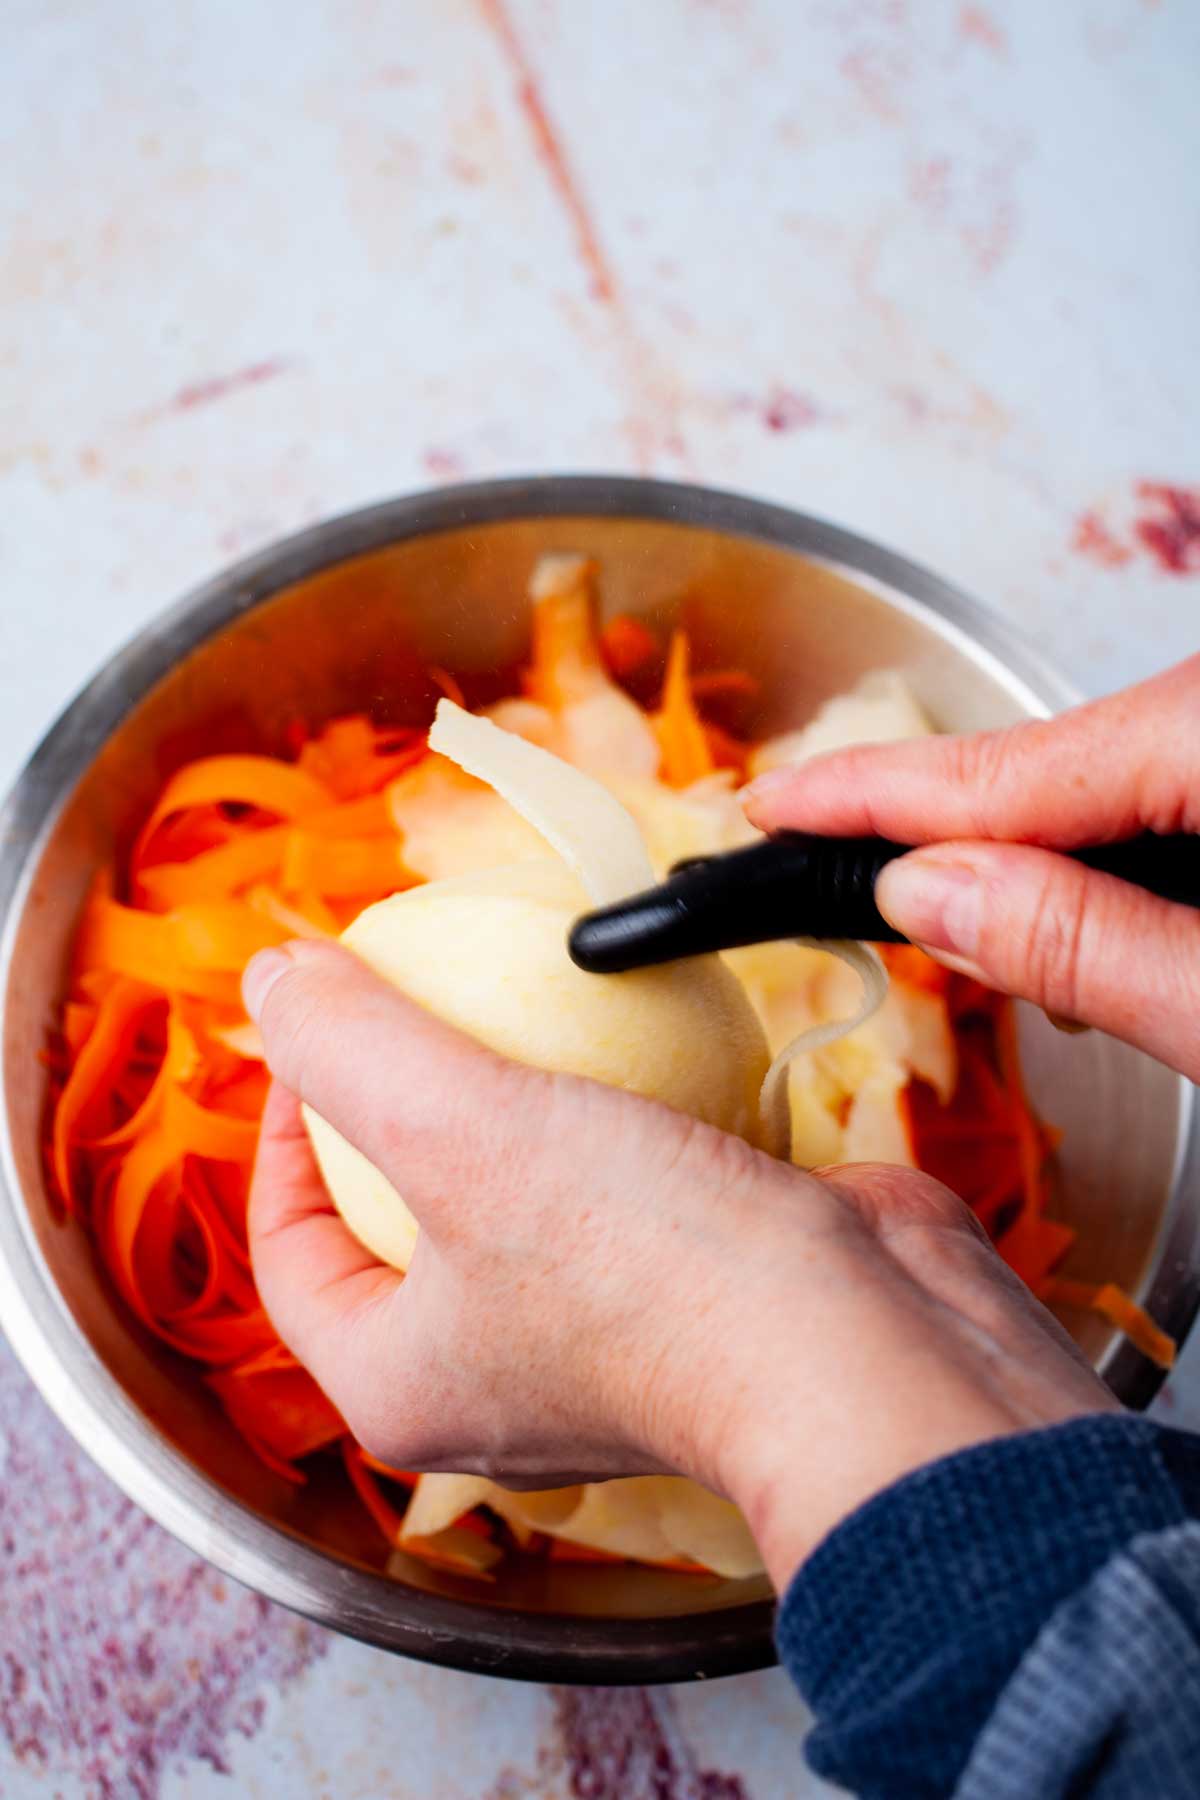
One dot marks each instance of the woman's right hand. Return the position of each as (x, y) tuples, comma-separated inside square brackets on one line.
[(990, 896), (603, 1286)]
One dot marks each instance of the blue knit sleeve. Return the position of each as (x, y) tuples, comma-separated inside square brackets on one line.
[(1107, 1701), (930, 1618)]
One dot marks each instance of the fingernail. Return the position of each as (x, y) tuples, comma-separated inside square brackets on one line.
[(769, 782), (938, 904), (259, 977), (1072, 1027)]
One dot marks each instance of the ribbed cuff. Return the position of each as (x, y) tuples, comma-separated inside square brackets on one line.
[(903, 1626)]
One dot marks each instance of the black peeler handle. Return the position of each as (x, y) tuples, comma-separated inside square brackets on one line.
[(794, 885)]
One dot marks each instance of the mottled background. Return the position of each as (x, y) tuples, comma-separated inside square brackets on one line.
[(928, 268)]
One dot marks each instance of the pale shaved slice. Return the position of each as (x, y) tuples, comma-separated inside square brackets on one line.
[(925, 1042), (459, 1551), (453, 825), (773, 1099), (524, 718), (597, 727), (677, 823), (620, 1517), (649, 1518), (561, 575), (577, 816), (607, 735), (564, 666), (875, 1126), (438, 1501), (847, 1097), (243, 1039), (265, 901), (543, 1509), (654, 1518), (882, 709), (703, 1528), (818, 1134), (604, 734)]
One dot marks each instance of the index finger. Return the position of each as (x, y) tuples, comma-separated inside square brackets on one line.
[(1095, 774)]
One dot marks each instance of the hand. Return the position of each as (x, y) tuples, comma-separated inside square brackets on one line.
[(604, 1287), (1085, 946)]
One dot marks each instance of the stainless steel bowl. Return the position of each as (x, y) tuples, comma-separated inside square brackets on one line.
[(342, 617)]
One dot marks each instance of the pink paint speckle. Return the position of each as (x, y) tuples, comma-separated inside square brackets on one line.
[(679, 317), (218, 387), (913, 404), (446, 465), (465, 170), (990, 241), (626, 1745), (123, 1655), (876, 74), (929, 184), (1165, 526), (1170, 528), (1092, 538), (979, 27), (787, 410), (617, 1744), (974, 198)]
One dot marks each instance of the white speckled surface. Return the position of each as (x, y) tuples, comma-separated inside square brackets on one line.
[(930, 269)]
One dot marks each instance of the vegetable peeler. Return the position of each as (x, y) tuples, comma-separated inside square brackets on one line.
[(795, 885)]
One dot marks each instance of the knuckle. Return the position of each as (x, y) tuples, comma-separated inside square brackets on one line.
[(993, 769), (284, 1025), (390, 1427), (973, 758), (368, 1431), (1050, 947), (380, 1440), (979, 762), (300, 1004), (896, 1197), (698, 1152)]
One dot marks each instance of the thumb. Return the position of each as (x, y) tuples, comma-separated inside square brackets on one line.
[(1082, 945)]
